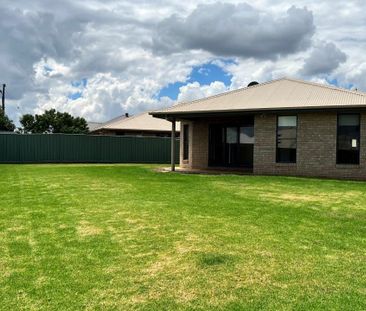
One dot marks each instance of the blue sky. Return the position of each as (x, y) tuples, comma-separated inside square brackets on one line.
[(204, 74), (79, 84), (335, 82)]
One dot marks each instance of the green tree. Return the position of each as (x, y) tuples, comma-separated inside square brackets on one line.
[(6, 125), (52, 121)]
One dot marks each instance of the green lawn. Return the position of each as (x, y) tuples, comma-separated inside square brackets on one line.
[(123, 237)]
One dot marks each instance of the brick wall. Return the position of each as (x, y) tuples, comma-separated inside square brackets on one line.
[(316, 147), (198, 145), (185, 163)]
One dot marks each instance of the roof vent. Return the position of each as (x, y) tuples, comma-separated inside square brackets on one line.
[(252, 83)]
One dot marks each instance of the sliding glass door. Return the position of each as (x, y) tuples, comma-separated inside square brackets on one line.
[(231, 145)]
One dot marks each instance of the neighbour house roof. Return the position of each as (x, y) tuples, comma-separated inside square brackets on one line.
[(94, 125), (140, 122), (281, 94)]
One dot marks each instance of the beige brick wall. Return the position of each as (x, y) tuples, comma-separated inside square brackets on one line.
[(185, 163), (316, 147), (198, 145)]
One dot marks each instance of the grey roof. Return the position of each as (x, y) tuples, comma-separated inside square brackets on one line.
[(278, 94), (140, 122)]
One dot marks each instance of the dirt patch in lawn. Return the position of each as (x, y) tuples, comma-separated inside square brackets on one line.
[(323, 198), (85, 229)]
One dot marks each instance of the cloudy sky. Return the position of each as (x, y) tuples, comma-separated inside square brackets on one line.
[(100, 59)]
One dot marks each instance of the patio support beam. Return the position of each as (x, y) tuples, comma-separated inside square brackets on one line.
[(172, 147)]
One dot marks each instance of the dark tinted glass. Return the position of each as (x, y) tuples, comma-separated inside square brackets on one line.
[(285, 155), (185, 141), (348, 139)]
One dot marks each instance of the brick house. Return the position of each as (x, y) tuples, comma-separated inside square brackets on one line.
[(282, 127)]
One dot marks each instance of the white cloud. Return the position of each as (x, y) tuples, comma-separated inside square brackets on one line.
[(236, 30), (324, 59), (194, 90), (46, 45), (355, 77)]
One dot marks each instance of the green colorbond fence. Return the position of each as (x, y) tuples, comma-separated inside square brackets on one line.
[(62, 148)]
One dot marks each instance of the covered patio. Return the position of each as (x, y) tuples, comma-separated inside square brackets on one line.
[(213, 142)]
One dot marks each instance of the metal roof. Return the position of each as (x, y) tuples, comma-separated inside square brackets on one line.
[(139, 122), (281, 94), (94, 125)]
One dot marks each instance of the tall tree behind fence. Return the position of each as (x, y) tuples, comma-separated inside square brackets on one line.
[(62, 148)]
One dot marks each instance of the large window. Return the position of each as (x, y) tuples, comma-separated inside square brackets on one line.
[(348, 139), (286, 139), (185, 141)]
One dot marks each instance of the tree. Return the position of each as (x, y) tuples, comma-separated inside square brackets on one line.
[(52, 121), (6, 124)]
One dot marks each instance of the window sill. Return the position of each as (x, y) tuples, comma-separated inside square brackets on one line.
[(348, 166), (285, 164)]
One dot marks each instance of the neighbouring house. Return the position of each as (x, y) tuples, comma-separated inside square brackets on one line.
[(142, 124), (94, 125), (282, 127)]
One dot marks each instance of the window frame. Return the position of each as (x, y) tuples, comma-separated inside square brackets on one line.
[(359, 139), (277, 128), (186, 142)]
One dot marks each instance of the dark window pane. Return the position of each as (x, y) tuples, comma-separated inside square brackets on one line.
[(286, 155), (347, 143), (185, 141), (348, 139), (348, 157), (349, 120), (217, 147), (246, 155)]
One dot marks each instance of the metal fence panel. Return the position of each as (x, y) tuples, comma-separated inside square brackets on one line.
[(63, 148)]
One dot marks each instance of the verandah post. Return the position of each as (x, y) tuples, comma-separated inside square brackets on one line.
[(172, 147)]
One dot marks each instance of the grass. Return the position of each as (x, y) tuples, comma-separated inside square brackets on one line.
[(123, 237)]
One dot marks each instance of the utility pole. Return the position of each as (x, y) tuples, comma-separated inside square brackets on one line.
[(3, 99)]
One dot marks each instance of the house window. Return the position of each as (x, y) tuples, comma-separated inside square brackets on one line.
[(348, 139), (246, 135), (286, 139), (185, 141)]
